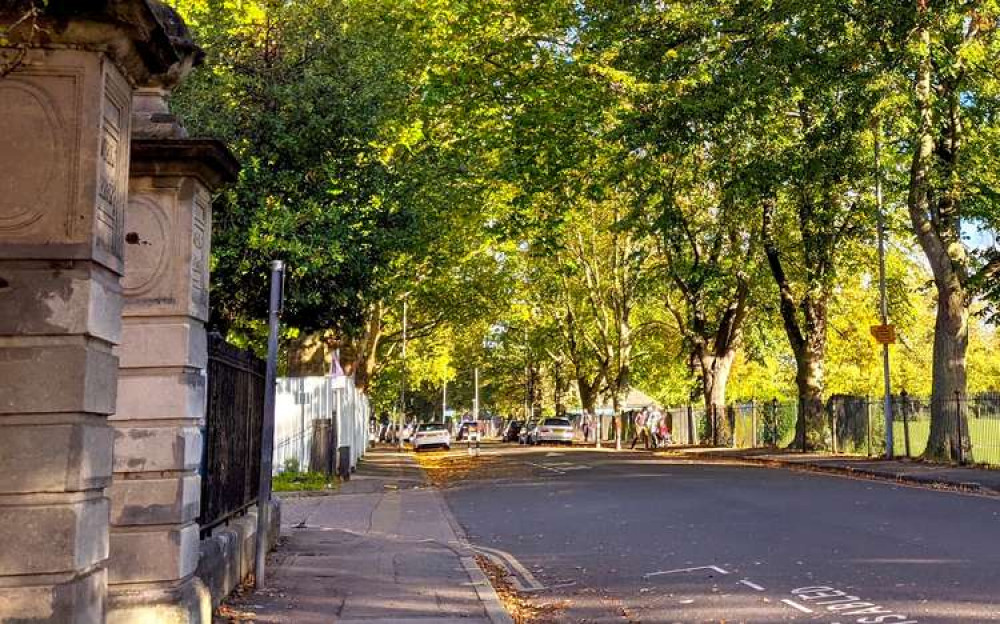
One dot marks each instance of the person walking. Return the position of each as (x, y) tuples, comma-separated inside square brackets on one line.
[(653, 426), (641, 430)]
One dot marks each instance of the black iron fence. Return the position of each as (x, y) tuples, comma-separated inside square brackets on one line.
[(231, 466)]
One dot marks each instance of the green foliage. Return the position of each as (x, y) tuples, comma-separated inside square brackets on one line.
[(570, 194)]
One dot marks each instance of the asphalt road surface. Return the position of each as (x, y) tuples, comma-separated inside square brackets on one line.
[(630, 538)]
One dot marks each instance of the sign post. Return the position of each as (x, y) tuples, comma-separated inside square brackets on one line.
[(267, 434), (886, 333), (474, 438)]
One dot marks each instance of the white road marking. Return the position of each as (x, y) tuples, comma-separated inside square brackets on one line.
[(544, 467), (752, 585), (679, 570), (795, 605), (512, 562)]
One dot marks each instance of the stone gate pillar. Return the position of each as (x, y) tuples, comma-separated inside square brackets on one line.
[(155, 498), (65, 118)]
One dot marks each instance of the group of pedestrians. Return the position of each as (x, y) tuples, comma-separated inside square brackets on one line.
[(651, 427)]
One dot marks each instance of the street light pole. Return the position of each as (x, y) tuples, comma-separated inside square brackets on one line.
[(475, 406), (402, 387), (883, 302), (444, 402)]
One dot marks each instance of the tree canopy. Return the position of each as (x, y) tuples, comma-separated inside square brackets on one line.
[(579, 197)]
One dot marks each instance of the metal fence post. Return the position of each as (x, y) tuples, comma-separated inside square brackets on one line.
[(691, 431), (905, 408), (715, 425), (800, 418), (868, 418), (958, 427), (753, 423)]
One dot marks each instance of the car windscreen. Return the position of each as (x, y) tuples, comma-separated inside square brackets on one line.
[(427, 427), (556, 422)]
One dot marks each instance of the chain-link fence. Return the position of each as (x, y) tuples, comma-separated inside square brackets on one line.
[(968, 426)]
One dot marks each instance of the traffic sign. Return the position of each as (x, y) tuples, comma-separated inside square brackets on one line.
[(884, 334)]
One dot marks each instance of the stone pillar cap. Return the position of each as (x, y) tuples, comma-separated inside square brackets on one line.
[(130, 30), (210, 160)]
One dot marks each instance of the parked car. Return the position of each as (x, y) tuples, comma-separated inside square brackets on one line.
[(431, 435), (554, 431), (513, 431), (527, 433), (463, 432)]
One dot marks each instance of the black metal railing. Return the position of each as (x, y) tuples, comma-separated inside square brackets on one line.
[(231, 466)]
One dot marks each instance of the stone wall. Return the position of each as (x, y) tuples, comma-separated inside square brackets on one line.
[(226, 557)]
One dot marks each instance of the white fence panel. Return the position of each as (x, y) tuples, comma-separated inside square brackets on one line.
[(301, 400)]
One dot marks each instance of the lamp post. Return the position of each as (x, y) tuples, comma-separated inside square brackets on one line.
[(402, 386)]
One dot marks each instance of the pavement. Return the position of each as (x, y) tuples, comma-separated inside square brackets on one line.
[(913, 472), (639, 538), (383, 549)]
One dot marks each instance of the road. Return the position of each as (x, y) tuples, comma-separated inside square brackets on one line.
[(622, 537)]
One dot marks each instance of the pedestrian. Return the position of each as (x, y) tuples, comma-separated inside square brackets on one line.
[(653, 426), (585, 420), (641, 430)]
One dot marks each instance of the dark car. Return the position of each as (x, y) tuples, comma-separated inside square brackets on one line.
[(513, 431)]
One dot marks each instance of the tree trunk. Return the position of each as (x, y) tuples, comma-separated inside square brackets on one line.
[(809, 382), (367, 355), (948, 409), (588, 395), (715, 375), (938, 233)]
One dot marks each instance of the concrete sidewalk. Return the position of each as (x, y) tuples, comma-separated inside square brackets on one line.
[(979, 480), (383, 549)]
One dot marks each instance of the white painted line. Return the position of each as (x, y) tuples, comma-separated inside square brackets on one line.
[(795, 605), (752, 585), (679, 570), (544, 467)]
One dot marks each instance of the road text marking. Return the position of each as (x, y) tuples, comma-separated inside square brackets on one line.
[(795, 605), (752, 585)]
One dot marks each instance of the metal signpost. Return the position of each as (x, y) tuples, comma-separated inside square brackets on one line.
[(886, 333), (267, 433)]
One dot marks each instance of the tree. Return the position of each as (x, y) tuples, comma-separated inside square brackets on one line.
[(952, 186)]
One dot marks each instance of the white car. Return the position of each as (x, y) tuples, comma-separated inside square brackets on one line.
[(555, 431), (430, 435)]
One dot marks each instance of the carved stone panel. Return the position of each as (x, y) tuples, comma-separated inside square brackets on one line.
[(112, 165), (201, 223), (40, 108), (167, 246), (65, 119), (148, 243)]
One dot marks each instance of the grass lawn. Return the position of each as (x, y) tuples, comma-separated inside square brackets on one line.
[(290, 481), (985, 434)]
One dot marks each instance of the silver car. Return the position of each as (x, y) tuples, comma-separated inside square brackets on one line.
[(554, 431)]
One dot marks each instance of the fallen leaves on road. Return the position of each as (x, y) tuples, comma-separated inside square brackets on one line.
[(234, 615), (520, 608), (444, 469)]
